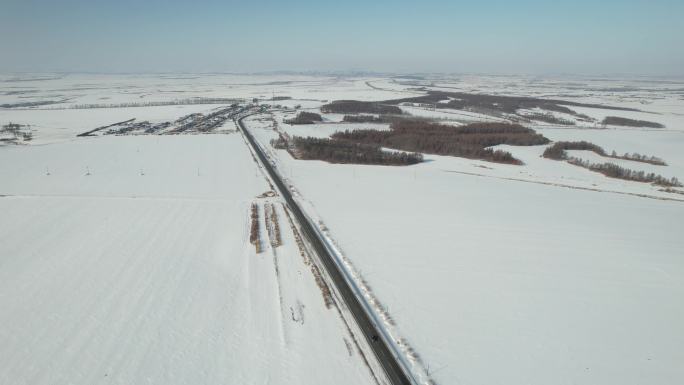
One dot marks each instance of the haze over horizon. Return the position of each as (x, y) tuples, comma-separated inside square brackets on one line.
[(355, 192), (528, 37)]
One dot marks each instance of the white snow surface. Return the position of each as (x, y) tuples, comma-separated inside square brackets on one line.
[(535, 274), (547, 284), (118, 277), (142, 271)]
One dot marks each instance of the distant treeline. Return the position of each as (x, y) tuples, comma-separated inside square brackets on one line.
[(615, 171), (413, 137), (355, 107), (558, 152), (340, 151), (549, 118), (367, 119), (157, 104), (618, 121), (30, 104), (469, 141), (305, 118), (499, 103)]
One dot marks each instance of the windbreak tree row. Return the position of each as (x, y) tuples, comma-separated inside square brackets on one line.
[(558, 151)]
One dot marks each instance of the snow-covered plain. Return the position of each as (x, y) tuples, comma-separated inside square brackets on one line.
[(535, 274), (546, 284), (142, 270)]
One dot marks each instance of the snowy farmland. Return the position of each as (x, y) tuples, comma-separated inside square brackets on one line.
[(142, 271), (534, 274), (127, 258), (540, 281)]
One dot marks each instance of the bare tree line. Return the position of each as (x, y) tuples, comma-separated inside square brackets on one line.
[(547, 117), (355, 107), (368, 118), (468, 141), (614, 171), (618, 121), (177, 102), (344, 151), (502, 103), (558, 152), (304, 117)]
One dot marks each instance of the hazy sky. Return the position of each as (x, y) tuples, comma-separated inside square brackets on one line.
[(581, 36)]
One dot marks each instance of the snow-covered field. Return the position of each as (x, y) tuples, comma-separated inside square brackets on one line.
[(535, 274), (142, 271), (544, 283)]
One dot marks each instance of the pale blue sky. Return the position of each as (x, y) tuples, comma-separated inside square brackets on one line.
[(525, 36)]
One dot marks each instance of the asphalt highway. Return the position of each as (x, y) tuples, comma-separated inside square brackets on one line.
[(385, 355)]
